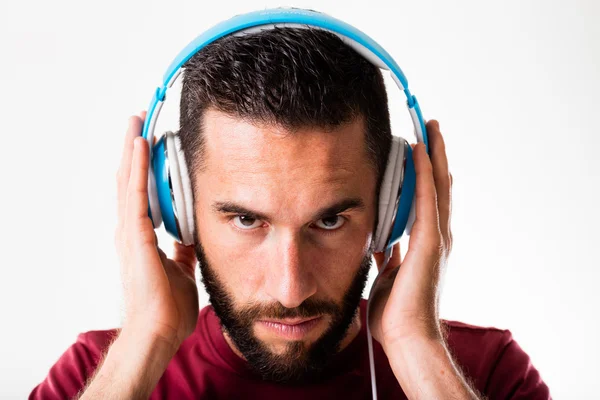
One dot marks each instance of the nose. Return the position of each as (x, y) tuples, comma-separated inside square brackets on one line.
[(290, 278)]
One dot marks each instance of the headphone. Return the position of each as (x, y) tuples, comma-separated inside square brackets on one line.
[(170, 197)]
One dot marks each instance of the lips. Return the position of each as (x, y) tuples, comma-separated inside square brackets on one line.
[(288, 321), (292, 329)]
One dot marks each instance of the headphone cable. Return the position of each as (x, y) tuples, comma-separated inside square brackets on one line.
[(388, 256)]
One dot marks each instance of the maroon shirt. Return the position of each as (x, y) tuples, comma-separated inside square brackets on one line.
[(206, 367)]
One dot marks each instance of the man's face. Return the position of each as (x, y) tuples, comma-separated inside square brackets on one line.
[(284, 223)]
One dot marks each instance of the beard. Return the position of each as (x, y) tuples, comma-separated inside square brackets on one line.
[(299, 363)]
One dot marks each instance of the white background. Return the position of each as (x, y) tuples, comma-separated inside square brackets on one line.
[(513, 83)]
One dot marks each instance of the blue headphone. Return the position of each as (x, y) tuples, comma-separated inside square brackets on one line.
[(169, 189)]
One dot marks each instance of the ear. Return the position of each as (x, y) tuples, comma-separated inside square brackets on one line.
[(394, 261)]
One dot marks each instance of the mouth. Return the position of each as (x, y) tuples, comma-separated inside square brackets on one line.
[(292, 328)]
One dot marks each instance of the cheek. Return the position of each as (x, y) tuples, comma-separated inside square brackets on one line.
[(237, 264), (337, 269), (238, 271), (340, 263), (242, 262)]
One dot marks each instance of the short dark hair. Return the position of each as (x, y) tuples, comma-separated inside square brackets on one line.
[(289, 77)]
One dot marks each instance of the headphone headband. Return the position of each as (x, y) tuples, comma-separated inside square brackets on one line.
[(285, 17)]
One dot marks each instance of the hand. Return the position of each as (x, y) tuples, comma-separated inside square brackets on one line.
[(404, 301), (161, 297)]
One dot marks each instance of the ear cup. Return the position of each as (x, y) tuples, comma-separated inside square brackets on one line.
[(384, 192), (187, 228), (421, 135), (161, 194), (411, 218), (153, 204), (182, 232), (406, 202), (389, 191)]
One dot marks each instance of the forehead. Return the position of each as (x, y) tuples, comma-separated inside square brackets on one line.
[(268, 164), (233, 145)]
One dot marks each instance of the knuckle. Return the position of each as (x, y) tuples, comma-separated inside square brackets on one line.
[(437, 245), (146, 239), (441, 249)]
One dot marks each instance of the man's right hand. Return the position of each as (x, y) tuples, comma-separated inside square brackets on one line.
[(161, 297)]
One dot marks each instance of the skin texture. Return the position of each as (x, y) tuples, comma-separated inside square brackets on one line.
[(302, 359), (285, 263), (287, 177)]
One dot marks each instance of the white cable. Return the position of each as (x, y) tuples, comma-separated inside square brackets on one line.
[(387, 257)]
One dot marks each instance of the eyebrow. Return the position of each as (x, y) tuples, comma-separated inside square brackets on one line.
[(228, 207)]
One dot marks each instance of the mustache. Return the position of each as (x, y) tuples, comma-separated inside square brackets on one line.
[(309, 308)]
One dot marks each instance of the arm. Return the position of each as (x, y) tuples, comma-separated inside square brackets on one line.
[(161, 298), (403, 303), (160, 295), (131, 368), (425, 369), (405, 296)]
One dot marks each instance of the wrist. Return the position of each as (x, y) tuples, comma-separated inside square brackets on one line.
[(412, 344), (163, 336), (424, 368), (132, 367), (416, 335), (157, 347)]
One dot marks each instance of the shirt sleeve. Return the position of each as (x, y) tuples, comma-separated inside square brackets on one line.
[(514, 376), (72, 370)]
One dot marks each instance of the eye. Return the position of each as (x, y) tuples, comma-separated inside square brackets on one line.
[(331, 223), (246, 223)]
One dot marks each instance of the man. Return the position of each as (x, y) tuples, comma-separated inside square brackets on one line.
[(286, 136)]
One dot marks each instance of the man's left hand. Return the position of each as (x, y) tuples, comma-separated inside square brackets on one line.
[(404, 302)]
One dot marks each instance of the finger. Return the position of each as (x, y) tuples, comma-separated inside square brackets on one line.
[(441, 175), (426, 219), (133, 130), (143, 117), (138, 223), (185, 255)]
